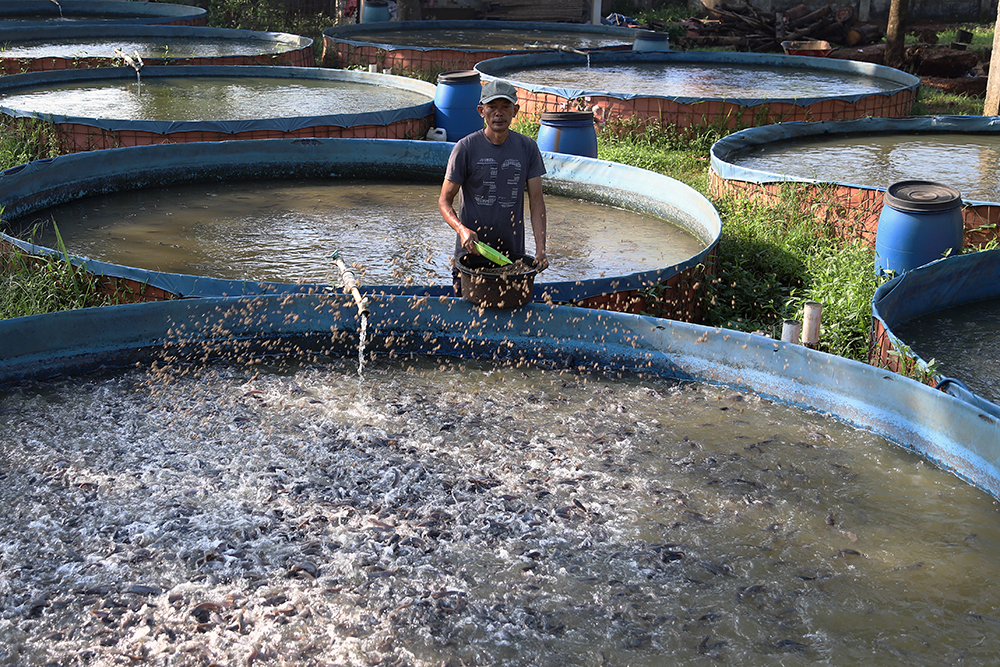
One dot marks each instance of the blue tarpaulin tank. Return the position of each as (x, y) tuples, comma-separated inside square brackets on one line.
[(44, 183), (959, 282), (849, 196), (110, 129), (69, 45), (31, 14)]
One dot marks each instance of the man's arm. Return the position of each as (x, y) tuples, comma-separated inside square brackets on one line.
[(446, 201), (536, 206)]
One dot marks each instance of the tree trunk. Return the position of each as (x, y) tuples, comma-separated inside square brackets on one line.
[(990, 108), (407, 10), (894, 34)]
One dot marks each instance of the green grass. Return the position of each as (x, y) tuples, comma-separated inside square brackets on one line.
[(935, 102), (982, 35), (31, 285), (773, 259), (25, 139)]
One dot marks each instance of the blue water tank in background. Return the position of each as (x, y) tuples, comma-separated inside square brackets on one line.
[(650, 40), (921, 221), (375, 11), (571, 132), (456, 103)]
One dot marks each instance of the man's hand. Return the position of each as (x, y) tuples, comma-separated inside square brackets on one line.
[(469, 238), (541, 262)]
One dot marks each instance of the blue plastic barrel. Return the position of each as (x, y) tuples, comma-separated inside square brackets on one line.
[(375, 11), (455, 103), (571, 132), (650, 40), (921, 221)]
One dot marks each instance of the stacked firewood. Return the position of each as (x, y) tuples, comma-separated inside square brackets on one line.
[(747, 28)]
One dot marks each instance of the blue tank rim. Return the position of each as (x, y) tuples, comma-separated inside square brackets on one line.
[(10, 35), (343, 33), (29, 80), (754, 137), (954, 435), (43, 183), (494, 68), (132, 12)]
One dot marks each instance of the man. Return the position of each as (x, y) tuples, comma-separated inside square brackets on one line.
[(492, 168)]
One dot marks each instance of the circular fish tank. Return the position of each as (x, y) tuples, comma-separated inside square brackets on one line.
[(432, 47), (71, 46), (704, 89), (209, 219), (843, 167), (109, 107), (537, 486), (274, 211), (941, 321), (34, 14)]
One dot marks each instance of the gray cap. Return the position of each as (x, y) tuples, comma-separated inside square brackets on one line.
[(495, 89)]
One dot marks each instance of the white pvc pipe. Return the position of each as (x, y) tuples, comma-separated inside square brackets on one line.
[(790, 330), (811, 317), (595, 12)]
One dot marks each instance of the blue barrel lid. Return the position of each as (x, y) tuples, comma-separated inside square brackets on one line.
[(460, 76), (922, 196), (652, 35), (564, 116)]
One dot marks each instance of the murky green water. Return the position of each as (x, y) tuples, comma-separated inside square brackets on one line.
[(498, 39), (965, 342), (286, 231), (968, 162), (440, 512), (210, 98), (713, 80), (148, 47)]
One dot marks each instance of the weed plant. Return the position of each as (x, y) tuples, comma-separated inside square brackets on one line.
[(774, 258), (659, 148), (25, 139), (31, 285)]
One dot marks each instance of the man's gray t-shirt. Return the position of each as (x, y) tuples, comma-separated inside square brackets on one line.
[(493, 180)]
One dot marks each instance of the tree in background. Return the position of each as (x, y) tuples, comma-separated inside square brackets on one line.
[(894, 33)]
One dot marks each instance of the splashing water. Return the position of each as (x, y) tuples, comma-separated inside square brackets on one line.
[(469, 513), (361, 345)]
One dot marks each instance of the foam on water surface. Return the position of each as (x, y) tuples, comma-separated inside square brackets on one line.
[(443, 511)]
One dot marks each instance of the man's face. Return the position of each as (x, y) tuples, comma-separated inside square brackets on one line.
[(498, 113)]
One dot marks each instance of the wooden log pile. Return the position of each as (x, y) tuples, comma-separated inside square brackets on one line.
[(746, 28)]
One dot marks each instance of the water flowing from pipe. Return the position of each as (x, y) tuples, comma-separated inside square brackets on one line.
[(361, 345)]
